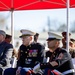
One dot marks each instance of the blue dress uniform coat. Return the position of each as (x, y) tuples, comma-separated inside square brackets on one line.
[(63, 58), (5, 55), (30, 55)]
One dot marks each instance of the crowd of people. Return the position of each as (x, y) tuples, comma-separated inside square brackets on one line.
[(31, 59)]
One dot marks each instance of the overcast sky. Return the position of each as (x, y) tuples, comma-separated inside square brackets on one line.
[(38, 19)]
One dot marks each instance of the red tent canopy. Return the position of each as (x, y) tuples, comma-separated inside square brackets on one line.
[(13, 5), (6, 5)]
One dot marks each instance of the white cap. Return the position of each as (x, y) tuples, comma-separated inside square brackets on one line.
[(26, 33), (53, 36), (3, 33)]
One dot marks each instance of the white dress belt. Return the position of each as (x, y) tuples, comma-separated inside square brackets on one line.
[(69, 71)]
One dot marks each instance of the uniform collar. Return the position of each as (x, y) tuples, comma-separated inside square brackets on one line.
[(2, 42)]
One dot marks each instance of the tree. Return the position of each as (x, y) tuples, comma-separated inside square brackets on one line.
[(3, 21), (62, 27), (72, 28)]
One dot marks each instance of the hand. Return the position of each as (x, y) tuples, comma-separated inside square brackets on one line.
[(54, 63), (36, 68), (18, 71)]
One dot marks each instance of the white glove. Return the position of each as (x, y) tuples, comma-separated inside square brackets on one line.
[(26, 69), (36, 68)]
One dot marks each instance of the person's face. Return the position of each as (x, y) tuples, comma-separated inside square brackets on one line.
[(71, 45), (37, 37), (51, 43), (64, 41), (1, 38), (8, 40), (26, 40)]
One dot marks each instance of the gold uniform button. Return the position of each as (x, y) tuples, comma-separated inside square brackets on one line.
[(54, 52), (27, 49), (25, 52), (21, 51), (26, 59)]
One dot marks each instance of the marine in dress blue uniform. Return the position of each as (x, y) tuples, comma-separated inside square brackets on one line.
[(5, 52), (59, 62), (28, 55)]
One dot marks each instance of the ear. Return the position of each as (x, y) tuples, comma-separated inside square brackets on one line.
[(57, 43), (31, 38), (74, 44)]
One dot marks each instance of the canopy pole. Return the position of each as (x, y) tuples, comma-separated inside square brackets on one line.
[(12, 27), (68, 22)]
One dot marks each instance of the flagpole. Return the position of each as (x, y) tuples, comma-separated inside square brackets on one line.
[(68, 23)]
